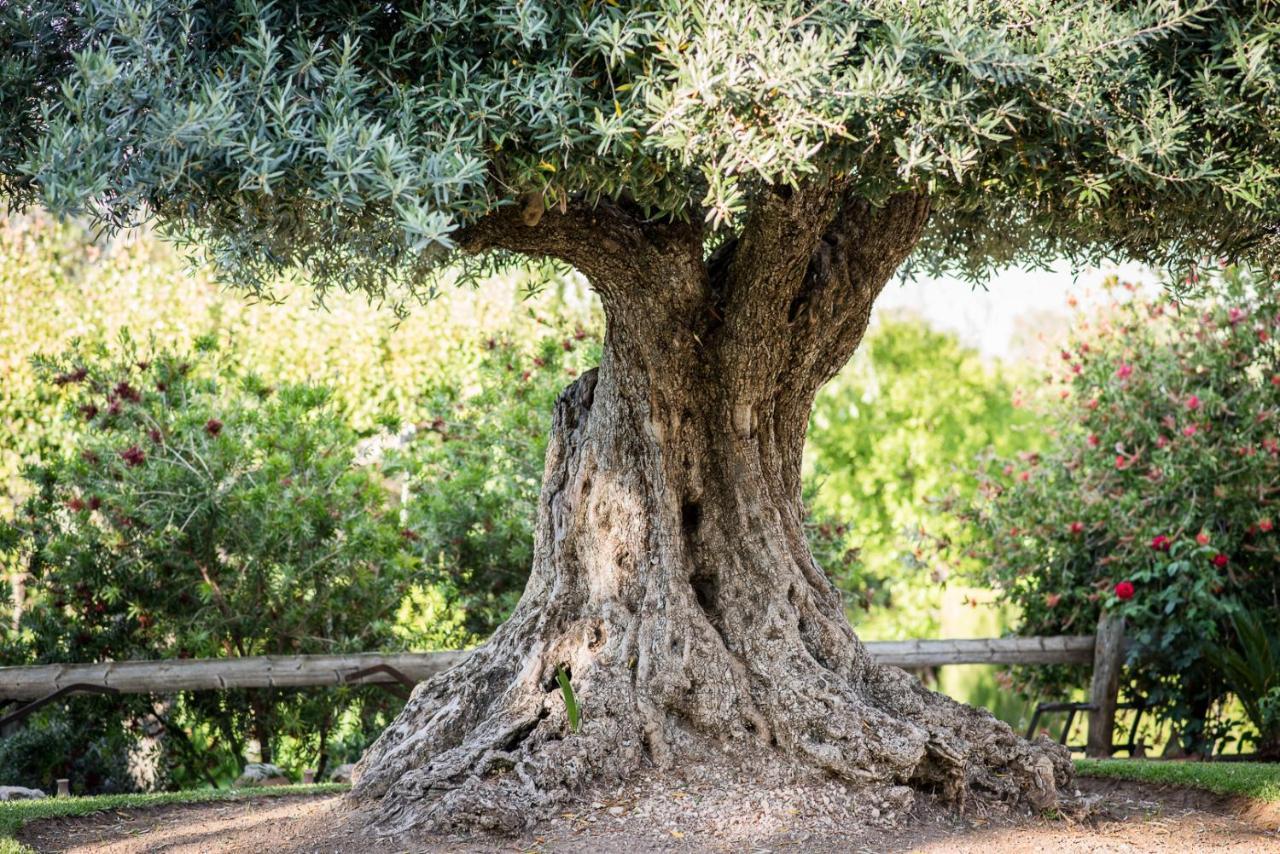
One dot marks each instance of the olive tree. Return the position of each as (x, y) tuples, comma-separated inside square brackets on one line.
[(738, 181)]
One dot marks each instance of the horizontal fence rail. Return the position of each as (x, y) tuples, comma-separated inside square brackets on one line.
[(306, 671), (205, 674), (1068, 649)]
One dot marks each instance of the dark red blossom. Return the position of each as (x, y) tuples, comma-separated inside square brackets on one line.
[(1124, 590), (133, 456), (154, 435), (406, 534), (213, 426), (1265, 526), (75, 505), (1161, 543), (1077, 527), (89, 412), (1220, 560), (126, 392), (75, 376), (94, 502)]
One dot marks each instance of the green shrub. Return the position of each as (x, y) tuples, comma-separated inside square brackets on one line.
[(1250, 666), (202, 512), (473, 476), (1156, 498)]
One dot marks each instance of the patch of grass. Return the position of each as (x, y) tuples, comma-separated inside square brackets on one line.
[(1257, 780), (14, 814)]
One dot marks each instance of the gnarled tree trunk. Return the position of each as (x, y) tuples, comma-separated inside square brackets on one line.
[(671, 579)]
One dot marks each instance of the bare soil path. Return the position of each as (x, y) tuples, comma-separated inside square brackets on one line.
[(1111, 816)]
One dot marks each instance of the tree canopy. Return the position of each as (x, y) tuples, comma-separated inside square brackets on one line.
[(357, 142)]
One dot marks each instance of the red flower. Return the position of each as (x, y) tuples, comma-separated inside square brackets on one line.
[(75, 376), (1220, 560), (124, 391), (1235, 315), (408, 535), (213, 426), (1077, 527), (75, 505), (1275, 379), (1265, 526), (1052, 599), (1161, 543), (94, 502), (1092, 403), (1092, 440), (1162, 442), (1066, 357), (1124, 371), (133, 456), (1202, 538), (1124, 591), (1193, 403), (89, 411), (1189, 430)]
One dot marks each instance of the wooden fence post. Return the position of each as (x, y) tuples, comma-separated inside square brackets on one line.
[(1108, 657)]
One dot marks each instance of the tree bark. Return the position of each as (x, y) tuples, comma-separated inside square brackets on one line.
[(671, 577)]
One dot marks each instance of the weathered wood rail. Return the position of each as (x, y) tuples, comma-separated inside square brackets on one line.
[(216, 674), (1104, 651)]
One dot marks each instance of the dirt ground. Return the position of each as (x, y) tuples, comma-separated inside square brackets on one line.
[(1107, 816)]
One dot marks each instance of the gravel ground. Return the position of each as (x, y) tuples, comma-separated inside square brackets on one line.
[(674, 813)]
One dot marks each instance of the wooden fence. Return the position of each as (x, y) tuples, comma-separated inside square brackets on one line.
[(1104, 650)]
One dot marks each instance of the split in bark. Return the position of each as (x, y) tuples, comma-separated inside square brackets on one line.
[(671, 577)]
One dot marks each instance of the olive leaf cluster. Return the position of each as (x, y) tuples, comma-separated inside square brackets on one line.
[(354, 141)]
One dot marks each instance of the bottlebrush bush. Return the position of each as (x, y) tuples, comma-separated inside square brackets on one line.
[(202, 512), (1157, 498)]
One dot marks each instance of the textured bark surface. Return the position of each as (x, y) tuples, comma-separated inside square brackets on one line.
[(671, 578)]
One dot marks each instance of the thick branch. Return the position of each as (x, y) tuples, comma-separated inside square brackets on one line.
[(615, 249)]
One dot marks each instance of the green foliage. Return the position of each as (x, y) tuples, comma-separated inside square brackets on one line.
[(57, 284), (472, 483), (1251, 669), (201, 512), (89, 743), (354, 141), (887, 439), (1257, 780), (1159, 485), (570, 701)]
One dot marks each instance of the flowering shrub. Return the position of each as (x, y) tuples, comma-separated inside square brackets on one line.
[(1158, 497), (202, 512)]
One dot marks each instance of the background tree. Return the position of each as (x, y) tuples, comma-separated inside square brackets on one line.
[(738, 180), (890, 436)]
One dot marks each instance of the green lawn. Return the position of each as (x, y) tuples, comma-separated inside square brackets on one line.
[(14, 814), (1257, 780)]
